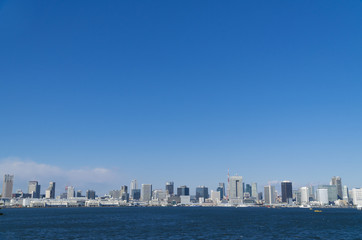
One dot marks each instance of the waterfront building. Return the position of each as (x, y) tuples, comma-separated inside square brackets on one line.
[(322, 196), (215, 196), (124, 193), (116, 194), (222, 190), (304, 195), (146, 192), (337, 181), (287, 191), (236, 192), (332, 192), (202, 192), (269, 194), (254, 190), (159, 195), (260, 196), (34, 189), (79, 193), (183, 191), (170, 188), (70, 192), (8, 186), (90, 194), (50, 192), (357, 196)]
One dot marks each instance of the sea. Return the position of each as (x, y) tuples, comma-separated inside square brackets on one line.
[(180, 223)]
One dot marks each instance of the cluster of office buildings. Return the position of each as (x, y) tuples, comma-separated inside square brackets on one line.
[(234, 193)]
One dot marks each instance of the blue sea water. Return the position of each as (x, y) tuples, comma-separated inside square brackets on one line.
[(179, 223)]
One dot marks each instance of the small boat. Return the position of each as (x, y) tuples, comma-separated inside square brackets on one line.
[(317, 210)]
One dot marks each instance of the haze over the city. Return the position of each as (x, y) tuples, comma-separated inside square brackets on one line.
[(180, 91)]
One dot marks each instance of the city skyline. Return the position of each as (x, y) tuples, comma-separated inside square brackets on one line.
[(114, 91)]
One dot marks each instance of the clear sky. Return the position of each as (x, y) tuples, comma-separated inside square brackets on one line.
[(97, 93)]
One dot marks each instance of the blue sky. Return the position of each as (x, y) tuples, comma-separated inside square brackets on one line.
[(181, 90)]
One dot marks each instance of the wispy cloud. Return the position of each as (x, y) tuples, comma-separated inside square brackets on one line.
[(25, 170)]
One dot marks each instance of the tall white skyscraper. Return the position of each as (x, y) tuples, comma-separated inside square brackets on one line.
[(254, 190), (8, 186), (34, 189), (357, 196), (236, 193), (322, 196), (269, 194), (70, 192), (304, 195), (133, 185), (50, 192), (345, 194), (146, 192)]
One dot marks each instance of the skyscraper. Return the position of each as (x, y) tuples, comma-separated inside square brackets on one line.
[(269, 194), (50, 192), (304, 195), (248, 189), (34, 189), (183, 191), (222, 189), (146, 192), (345, 194), (8, 186), (133, 185), (70, 192), (169, 188), (337, 181), (90, 194), (202, 192), (287, 191), (236, 193), (124, 193), (254, 190)]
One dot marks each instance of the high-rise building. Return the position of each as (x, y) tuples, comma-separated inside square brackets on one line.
[(133, 184), (236, 193), (50, 192), (269, 194), (345, 194), (90, 194), (79, 193), (136, 194), (34, 189), (222, 189), (332, 192), (304, 195), (183, 191), (287, 191), (254, 190), (70, 192), (124, 193), (146, 192), (337, 181), (169, 188), (322, 196), (8, 186), (202, 192), (357, 196), (248, 189)]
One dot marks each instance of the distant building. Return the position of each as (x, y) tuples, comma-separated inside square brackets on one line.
[(34, 189), (202, 192), (116, 194), (322, 196), (248, 189), (304, 194), (133, 184), (236, 193), (287, 191), (332, 192), (8, 186), (90, 194), (357, 196), (269, 194), (183, 191), (337, 181), (146, 192), (70, 192), (50, 192), (222, 190), (169, 188), (254, 190), (136, 194), (345, 194), (79, 193), (215, 196), (124, 193)]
